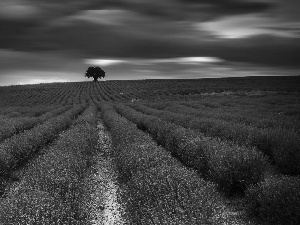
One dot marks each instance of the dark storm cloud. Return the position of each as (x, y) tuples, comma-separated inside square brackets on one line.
[(100, 40), (142, 29), (262, 49), (234, 6), (184, 8), (187, 9), (173, 8)]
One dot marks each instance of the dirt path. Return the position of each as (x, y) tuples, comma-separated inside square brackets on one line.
[(103, 204)]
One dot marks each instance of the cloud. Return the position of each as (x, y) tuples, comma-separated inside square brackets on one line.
[(180, 60), (110, 17), (220, 8), (131, 36), (104, 62), (249, 25), (198, 60), (10, 59), (118, 29), (18, 10)]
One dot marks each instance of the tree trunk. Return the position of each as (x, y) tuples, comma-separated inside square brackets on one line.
[(95, 79)]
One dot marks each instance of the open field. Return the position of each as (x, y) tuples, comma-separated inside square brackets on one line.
[(207, 151)]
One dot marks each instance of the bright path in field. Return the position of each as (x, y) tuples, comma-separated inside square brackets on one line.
[(105, 206)]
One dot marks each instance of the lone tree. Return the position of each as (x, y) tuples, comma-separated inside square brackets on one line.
[(95, 72)]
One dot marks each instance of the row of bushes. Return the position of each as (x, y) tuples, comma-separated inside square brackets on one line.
[(111, 94), (237, 114), (99, 88), (67, 95), (161, 190), (94, 94), (89, 116), (232, 167), (51, 188), (255, 115), (17, 148), (33, 95), (18, 125), (119, 94), (281, 146), (275, 199), (24, 111)]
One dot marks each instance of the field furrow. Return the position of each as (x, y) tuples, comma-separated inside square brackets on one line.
[(18, 125), (103, 201), (256, 117), (160, 189), (280, 145), (50, 188), (19, 147), (232, 167)]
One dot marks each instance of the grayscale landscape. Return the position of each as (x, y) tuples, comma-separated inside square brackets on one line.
[(171, 112)]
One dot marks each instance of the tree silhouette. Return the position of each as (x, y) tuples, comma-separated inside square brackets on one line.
[(95, 72)]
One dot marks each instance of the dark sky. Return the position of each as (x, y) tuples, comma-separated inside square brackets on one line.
[(47, 41)]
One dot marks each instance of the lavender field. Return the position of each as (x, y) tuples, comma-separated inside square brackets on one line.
[(202, 151)]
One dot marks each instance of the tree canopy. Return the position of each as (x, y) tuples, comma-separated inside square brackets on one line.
[(95, 72)]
